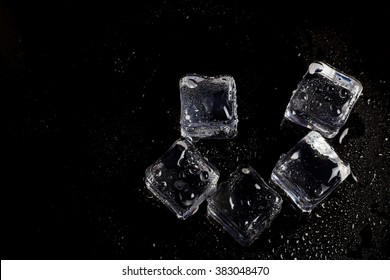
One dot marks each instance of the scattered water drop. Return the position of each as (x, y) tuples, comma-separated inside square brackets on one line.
[(354, 177)]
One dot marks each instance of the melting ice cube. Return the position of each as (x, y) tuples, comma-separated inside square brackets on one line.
[(208, 107), (310, 171), (244, 205), (182, 178), (323, 99)]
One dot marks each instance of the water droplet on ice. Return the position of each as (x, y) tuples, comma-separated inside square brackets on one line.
[(343, 134), (245, 170), (180, 185), (204, 176), (295, 155), (343, 93), (231, 202), (194, 169), (190, 83)]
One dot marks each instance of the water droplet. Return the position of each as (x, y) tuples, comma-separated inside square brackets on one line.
[(295, 155), (194, 169), (204, 176), (184, 200), (343, 93), (245, 170), (231, 202), (191, 83), (180, 185)]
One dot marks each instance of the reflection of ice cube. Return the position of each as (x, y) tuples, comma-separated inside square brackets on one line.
[(323, 99), (310, 171), (182, 178), (208, 107), (244, 205)]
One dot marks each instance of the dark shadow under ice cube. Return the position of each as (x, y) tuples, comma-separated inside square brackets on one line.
[(310, 171), (244, 205), (208, 107), (182, 178), (323, 99)]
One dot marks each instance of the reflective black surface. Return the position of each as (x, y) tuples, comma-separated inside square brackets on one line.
[(91, 98)]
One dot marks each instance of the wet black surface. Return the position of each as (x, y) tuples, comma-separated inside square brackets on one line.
[(91, 99)]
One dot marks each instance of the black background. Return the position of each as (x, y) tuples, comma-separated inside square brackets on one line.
[(91, 98)]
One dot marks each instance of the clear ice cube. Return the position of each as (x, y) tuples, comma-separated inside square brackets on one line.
[(323, 99), (310, 171), (244, 205), (182, 178), (208, 107)]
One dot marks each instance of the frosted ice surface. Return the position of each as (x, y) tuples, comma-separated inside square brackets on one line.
[(182, 178), (208, 107), (244, 205), (310, 171), (323, 99)]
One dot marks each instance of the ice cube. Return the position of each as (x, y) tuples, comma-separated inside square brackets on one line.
[(208, 107), (310, 171), (182, 178), (244, 205), (323, 99)]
